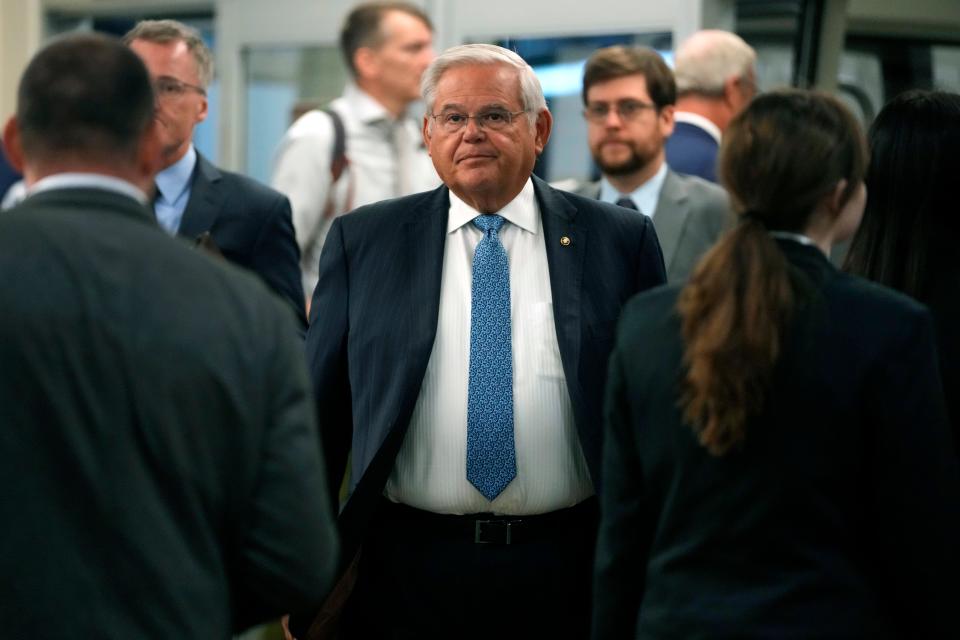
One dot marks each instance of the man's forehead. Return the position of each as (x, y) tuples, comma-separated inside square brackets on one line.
[(630, 85), (399, 25)]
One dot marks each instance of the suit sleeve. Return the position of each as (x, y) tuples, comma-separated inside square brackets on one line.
[(651, 271), (915, 525), (327, 355), (623, 539), (277, 258), (289, 547)]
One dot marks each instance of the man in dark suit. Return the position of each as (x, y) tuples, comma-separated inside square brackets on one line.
[(628, 100), (249, 223), (716, 79), (160, 454), (459, 344)]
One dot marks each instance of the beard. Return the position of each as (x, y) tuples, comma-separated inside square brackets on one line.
[(637, 160)]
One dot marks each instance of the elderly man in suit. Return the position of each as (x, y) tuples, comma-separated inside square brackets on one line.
[(249, 223), (716, 78), (628, 97), (459, 342), (160, 452)]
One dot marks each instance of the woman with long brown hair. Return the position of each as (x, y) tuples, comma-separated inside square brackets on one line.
[(777, 457)]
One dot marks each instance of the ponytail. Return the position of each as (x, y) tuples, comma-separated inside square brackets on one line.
[(734, 312)]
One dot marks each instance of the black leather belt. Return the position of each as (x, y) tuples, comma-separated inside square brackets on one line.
[(487, 528)]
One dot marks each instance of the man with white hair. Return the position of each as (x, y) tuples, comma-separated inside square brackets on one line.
[(459, 342), (716, 79)]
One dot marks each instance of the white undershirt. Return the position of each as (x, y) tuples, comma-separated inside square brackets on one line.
[(430, 470)]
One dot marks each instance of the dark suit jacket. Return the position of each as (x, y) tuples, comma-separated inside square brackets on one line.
[(838, 517), (692, 151), (943, 298), (374, 319), (251, 225), (159, 451)]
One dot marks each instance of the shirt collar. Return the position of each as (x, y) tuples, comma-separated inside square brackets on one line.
[(645, 196), (88, 181), (698, 120), (522, 211), (364, 106), (174, 180)]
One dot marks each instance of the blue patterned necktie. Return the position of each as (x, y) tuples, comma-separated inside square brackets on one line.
[(491, 459)]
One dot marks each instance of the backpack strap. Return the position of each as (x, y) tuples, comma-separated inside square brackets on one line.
[(338, 154)]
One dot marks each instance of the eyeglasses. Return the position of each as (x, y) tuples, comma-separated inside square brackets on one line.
[(167, 87), (628, 110), (489, 119)]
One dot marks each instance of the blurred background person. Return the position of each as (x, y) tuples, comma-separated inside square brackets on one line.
[(778, 460), (628, 98), (908, 237), (248, 223), (161, 476), (716, 78), (387, 46)]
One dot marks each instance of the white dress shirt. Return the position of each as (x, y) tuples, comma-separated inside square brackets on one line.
[(645, 196), (430, 470), (383, 163)]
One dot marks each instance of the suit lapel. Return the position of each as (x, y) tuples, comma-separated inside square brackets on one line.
[(206, 200), (425, 232), (670, 217), (566, 244)]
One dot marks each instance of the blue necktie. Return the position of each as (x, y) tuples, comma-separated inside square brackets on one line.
[(627, 202), (491, 459)]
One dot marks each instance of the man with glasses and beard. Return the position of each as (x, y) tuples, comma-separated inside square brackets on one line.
[(629, 95)]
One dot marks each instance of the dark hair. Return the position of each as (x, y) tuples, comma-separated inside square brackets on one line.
[(165, 31), (616, 62), (779, 158), (910, 222), (362, 27), (84, 95)]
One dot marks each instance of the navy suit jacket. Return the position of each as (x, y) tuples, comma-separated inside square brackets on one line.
[(251, 225), (373, 321), (692, 151)]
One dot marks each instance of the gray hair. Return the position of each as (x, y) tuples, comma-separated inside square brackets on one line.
[(705, 60), (531, 93), (165, 31)]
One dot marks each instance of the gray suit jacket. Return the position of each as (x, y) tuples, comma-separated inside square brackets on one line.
[(691, 214)]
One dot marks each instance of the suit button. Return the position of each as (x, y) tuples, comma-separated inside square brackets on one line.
[(565, 241)]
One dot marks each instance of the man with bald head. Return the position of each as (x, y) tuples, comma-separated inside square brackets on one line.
[(458, 344), (716, 79)]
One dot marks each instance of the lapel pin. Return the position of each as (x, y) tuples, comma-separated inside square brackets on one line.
[(565, 241)]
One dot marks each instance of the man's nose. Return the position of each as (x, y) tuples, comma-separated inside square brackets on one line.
[(472, 130), (613, 120)]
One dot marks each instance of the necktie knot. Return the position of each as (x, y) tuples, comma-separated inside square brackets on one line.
[(488, 222), (627, 202)]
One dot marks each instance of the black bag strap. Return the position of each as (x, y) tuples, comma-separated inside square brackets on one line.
[(338, 154)]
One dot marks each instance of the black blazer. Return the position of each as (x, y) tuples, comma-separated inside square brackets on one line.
[(250, 223), (838, 517), (374, 319), (160, 459)]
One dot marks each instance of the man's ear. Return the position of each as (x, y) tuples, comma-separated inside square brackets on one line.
[(12, 146), (366, 63), (544, 126), (666, 120), (150, 153), (427, 133), (731, 91)]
